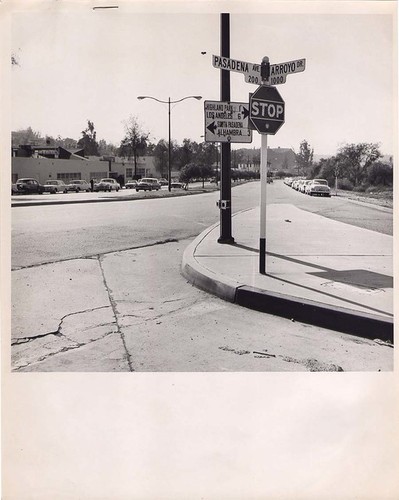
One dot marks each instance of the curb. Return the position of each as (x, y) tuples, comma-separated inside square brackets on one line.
[(334, 318), (307, 311), (204, 278)]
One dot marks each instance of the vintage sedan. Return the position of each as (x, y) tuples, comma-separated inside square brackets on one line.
[(318, 187), (55, 186), (178, 185), (131, 184), (148, 184), (28, 185), (294, 183), (79, 185), (303, 186), (107, 184)]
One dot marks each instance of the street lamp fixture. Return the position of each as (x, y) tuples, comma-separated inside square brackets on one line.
[(169, 102)]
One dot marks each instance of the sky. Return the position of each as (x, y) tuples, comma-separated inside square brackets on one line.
[(77, 64)]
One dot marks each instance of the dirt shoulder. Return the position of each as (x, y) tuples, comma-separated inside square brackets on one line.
[(380, 198)]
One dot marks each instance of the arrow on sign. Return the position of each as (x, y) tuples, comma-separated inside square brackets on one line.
[(212, 127), (245, 112)]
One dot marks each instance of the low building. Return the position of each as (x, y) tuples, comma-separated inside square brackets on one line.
[(43, 163)]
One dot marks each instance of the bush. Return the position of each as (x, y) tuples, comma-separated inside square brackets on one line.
[(345, 184), (360, 189), (379, 189)]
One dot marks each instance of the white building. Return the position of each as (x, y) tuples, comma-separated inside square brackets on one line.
[(57, 163)]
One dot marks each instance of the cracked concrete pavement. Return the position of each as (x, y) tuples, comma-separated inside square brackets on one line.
[(61, 308), (132, 310)]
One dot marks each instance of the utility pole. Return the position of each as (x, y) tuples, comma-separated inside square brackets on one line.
[(225, 171)]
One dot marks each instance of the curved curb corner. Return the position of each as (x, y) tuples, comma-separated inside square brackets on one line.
[(202, 277)]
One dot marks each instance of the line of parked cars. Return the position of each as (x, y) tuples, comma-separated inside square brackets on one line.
[(53, 186), (312, 187)]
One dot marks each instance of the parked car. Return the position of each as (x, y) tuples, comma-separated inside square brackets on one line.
[(163, 182), (79, 185), (107, 184), (318, 187), (55, 186), (294, 184), (28, 186), (131, 184), (300, 184), (303, 186), (178, 185), (148, 184)]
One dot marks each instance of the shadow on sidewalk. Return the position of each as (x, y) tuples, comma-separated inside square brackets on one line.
[(358, 278)]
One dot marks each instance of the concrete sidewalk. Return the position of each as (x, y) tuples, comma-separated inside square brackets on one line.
[(318, 271)]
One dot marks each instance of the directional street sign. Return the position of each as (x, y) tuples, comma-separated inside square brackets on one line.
[(251, 71), (266, 110), (227, 122)]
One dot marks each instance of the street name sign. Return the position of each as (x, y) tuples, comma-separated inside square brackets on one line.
[(251, 71), (227, 122), (266, 109), (279, 72)]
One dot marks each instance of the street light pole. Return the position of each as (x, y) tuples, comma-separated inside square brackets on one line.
[(169, 102)]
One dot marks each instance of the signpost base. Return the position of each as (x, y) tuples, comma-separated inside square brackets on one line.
[(226, 241), (262, 255)]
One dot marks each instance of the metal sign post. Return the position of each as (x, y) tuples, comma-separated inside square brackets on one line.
[(263, 184), (265, 73), (225, 171)]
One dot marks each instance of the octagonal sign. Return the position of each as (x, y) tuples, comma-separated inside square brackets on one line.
[(266, 109)]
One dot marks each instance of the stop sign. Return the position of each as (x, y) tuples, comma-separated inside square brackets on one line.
[(266, 109)]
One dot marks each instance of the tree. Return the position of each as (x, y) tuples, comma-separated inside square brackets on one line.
[(304, 159), (380, 174), (135, 141), (185, 153), (329, 169), (106, 149), (207, 153), (189, 172), (205, 171), (355, 159), (88, 140), (27, 136), (160, 153)]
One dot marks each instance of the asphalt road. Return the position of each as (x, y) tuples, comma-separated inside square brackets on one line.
[(363, 215), (43, 234)]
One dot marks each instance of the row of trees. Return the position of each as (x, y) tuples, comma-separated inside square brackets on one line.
[(134, 144), (355, 166)]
